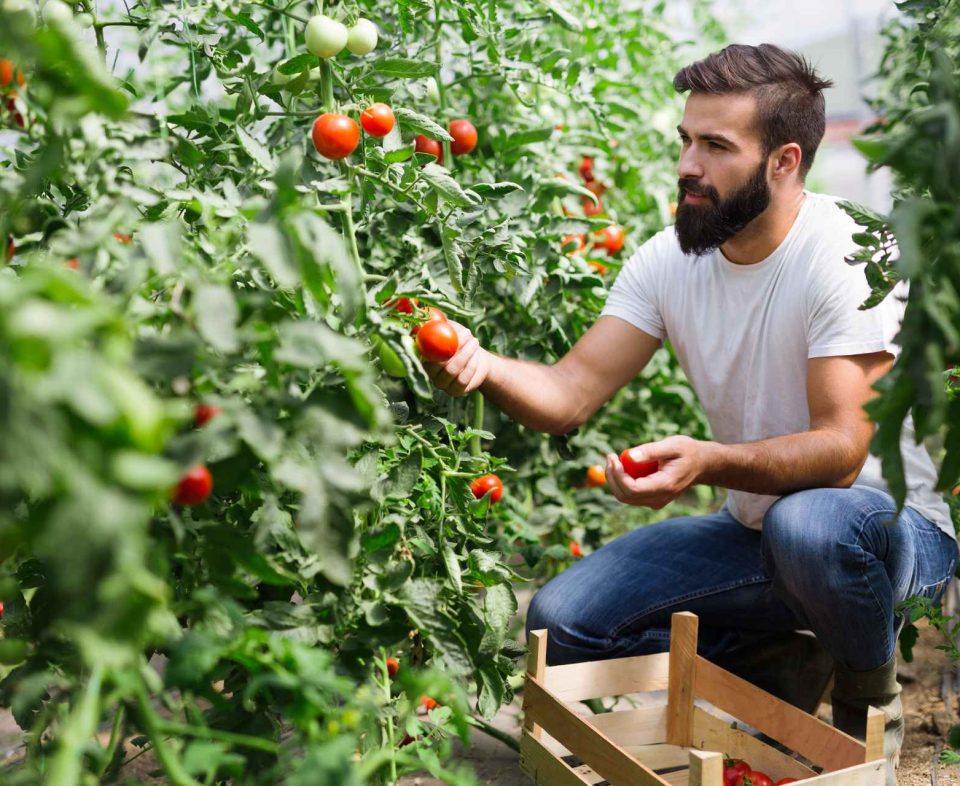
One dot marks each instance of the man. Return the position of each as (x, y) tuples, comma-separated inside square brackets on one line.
[(752, 289)]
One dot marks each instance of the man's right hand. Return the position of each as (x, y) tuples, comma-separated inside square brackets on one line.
[(466, 370)]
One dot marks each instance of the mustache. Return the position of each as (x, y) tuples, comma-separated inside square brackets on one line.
[(688, 186)]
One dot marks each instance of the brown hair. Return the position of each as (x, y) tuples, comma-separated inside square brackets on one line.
[(788, 92)]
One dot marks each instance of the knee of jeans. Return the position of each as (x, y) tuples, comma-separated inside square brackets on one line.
[(792, 533), (542, 614)]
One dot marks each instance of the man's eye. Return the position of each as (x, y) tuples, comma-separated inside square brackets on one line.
[(716, 146)]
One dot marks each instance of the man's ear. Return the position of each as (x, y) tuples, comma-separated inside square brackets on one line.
[(787, 161)]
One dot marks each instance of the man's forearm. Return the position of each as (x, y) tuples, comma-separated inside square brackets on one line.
[(779, 465), (533, 394)]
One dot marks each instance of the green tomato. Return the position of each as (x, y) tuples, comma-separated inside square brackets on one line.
[(390, 361), (56, 13), (433, 90), (85, 20), (325, 36), (362, 37)]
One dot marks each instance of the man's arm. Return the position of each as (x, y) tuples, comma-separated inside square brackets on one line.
[(557, 398), (829, 455)]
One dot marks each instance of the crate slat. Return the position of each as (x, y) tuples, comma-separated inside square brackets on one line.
[(803, 733), (595, 679), (580, 738), (683, 662), (545, 768), (706, 768), (873, 773), (536, 668), (640, 726)]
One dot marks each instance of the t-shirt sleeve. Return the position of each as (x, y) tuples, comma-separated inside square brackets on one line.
[(634, 296), (835, 323)]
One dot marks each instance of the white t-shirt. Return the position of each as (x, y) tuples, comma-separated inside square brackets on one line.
[(743, 335)]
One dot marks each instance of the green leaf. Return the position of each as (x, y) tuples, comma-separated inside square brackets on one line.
[(255, 150), (404, 68), (414, 121), (216, 313)]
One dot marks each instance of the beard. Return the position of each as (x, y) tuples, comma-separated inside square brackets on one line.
[(703, 228)]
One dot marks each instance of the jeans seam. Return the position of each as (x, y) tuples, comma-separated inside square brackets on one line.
[(863, 568), (683, 598)]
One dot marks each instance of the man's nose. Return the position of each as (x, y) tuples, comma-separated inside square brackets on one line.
[(689, 165)]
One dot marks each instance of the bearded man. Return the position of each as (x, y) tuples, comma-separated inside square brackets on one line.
[(752, 289)]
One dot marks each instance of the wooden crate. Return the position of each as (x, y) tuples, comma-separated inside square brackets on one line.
[(674, 742)]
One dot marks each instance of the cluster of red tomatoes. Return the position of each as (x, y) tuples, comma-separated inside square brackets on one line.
[(11, 78), (196, 483), (736, 772), (610, 238)]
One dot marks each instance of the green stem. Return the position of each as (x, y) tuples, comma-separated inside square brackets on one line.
[(507, 739), (438, 57), (326, 86), (151, 725), (477, 398), (114, 739), (393, 186), (77, 730), (390, 745), (97, 29), (204, 732)]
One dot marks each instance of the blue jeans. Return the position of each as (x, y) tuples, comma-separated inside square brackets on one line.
[(831, 561)]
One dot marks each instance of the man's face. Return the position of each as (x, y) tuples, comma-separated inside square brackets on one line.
[(723, 174)]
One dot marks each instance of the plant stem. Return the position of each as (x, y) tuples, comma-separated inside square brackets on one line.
[(204, 732), (114, 738), (98, 30), (438, 55), (78, 728), (151, 725), (477, 399), (385, 677), (507, 739)]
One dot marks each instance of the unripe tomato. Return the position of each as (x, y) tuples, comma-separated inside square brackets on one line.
[(611, 238), (377, 120), (586, 168), (596, 476), (362, 37), (634, 468), (194, 487), (437, 341), (433, 90), (203, 413), (487, 483), (599, 267), (84, 21), (575, 549), (424, 144), (390, 361), (393, 667), (569, 240), (434, 314), (464, 137), (6, 71), (335, 136), (325, 37)]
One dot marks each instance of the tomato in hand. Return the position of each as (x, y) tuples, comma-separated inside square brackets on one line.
[(634, 468), (203, 413), (377, 120), (464, 137), (610, 238), (487, 483), (335, 136), (596, 476), (424, 144), (437, 341), (194, 487)]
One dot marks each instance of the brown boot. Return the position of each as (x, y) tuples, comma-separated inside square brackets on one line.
[(855, 691)]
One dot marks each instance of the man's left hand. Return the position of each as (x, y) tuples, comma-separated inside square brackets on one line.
[(681, 463)]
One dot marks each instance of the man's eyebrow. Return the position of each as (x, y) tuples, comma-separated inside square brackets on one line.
[(710, 137)]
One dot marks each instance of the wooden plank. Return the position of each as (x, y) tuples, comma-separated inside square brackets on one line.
[(546, 769), (602, 678), (706, 768), (714, 734), (660, 757), (683, 660), (873, 773), (876, 720), (586, 742), (536, 667), (809, 736), (640, 726)]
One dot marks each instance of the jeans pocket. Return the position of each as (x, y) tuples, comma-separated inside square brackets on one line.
[(935, 591)]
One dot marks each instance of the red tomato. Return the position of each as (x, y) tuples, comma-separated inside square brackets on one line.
[(586, 168), (610, 238), (429, 146), (464, 137), (480, 486), (6, 71), (393, 667), (575, 551), (634, 468), (598, 266), (732, 770), (194, 487), (18, 120), (596, 476), (203, 413), (567, 240), (428, 703), (377, 120), (73, 263), (11, 247), (437, 341), (434, 314), (753, 778), (122, 238), (403, 304), (589, 209), (1, 609), (335, 136)]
